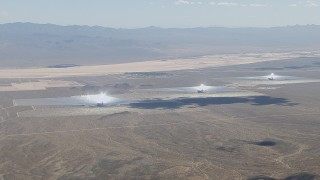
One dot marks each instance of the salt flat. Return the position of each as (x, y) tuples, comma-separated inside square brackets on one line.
[(150, 66)]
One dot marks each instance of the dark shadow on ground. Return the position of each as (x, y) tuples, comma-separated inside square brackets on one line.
[(261, 178), (264, 143), (299, 176), (303, 176), (185, 101), (287, 67), (63, 66)]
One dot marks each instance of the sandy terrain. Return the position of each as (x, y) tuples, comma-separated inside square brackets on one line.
[(150, 66), (37, 85)]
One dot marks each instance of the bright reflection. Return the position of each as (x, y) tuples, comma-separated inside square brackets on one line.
[(102, 98), (202, 87), (272, 76)]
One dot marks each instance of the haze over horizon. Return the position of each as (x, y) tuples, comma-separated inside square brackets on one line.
[(164, 13), (159, 27)]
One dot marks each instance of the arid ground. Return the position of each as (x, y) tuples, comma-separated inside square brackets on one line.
[(268, 131)]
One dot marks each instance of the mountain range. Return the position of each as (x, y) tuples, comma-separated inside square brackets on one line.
[(38, 45)]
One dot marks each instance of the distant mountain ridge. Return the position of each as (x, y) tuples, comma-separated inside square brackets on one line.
[(28, 44)]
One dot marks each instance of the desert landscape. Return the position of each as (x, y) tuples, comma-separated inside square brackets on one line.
[(160, 90), (156, 65), (266, 130)]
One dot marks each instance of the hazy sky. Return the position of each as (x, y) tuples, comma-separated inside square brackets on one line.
[(162, 13)]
